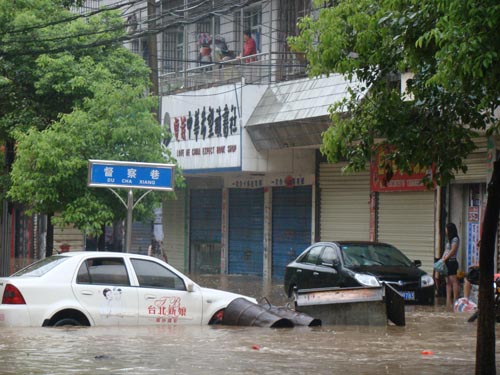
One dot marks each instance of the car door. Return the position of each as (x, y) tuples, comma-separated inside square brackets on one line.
[(306, 273), (102, 287), (163, 295), (326, 273)]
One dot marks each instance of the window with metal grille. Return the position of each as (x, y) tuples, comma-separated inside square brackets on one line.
[(252, 21)]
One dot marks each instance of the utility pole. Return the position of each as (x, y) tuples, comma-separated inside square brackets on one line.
[(155, 91), (153, 51)]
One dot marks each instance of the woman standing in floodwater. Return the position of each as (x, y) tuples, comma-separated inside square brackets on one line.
[(450, 258)]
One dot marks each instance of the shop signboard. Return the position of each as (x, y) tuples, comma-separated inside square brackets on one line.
[(274, 180), (473, 225), (206, 127), (396, 180)]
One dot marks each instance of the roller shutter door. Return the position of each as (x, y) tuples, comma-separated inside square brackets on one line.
[(291, 225), (246, 231), (476, 169), (477, 165), (344, 204), (205, 229), (142, 233), (406, 220), (174, 222)]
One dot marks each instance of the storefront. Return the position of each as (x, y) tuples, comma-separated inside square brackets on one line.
[(405, 210), (363, 206), (208, 144), (269, 222), (466, 201)]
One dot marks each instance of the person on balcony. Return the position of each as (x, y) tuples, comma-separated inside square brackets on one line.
[(205, 55), (222, 52), (249, 47)]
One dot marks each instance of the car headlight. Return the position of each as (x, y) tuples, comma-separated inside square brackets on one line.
[(367, 280), (426, 280)]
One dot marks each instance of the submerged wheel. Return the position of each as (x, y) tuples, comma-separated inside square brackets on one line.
[(217, 318), (292, 295), (67, 322)]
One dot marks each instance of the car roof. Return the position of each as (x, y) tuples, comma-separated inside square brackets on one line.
[(355, 242), (103, 254)]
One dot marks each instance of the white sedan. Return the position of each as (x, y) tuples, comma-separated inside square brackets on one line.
[(106, 288)]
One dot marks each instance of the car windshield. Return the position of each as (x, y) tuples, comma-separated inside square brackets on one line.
[(373, 255), (41, 267)]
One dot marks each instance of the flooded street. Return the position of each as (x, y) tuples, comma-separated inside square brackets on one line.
[(434, 341)]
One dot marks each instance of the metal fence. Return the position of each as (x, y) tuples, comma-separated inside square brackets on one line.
[(262, 68)]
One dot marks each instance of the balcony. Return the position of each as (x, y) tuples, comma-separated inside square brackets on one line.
[(260, 69)]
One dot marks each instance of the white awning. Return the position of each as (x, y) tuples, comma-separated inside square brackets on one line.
[(295, 113)]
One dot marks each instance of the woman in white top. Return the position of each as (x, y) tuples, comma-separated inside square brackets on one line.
[(450, 258)]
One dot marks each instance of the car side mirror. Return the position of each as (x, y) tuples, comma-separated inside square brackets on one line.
[(334, 264), (417, 263), (190, 287)]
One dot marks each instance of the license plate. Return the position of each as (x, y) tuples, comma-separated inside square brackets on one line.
[(409, 296)]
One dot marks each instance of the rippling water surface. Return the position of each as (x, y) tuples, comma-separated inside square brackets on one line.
[(434, 341)]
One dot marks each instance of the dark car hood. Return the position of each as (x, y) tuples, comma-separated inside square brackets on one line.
[(391, 273)]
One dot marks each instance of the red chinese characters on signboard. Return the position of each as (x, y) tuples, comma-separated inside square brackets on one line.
[(206, 123), (398, 181), (167, 309)]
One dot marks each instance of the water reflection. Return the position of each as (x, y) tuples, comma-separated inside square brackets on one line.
[(434, 341), (252, 286)]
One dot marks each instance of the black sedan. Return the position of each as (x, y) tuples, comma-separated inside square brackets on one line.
[(346, 264)]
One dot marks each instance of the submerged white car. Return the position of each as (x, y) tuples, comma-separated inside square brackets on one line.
[(107, 288)]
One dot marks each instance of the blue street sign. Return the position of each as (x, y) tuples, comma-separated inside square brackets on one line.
[(123, 174)]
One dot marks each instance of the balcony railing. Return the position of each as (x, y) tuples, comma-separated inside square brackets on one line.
[(262, 68)]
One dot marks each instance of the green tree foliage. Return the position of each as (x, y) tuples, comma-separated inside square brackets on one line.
[(451, 47), (71, 92)]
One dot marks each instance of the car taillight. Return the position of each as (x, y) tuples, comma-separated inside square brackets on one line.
[(12, 296)]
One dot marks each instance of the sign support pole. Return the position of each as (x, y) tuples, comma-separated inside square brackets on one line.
[(130, 205), (130, 208)]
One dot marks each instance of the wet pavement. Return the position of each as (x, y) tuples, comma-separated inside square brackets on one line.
[(434, 341)]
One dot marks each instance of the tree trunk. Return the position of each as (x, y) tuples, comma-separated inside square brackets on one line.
[(101, 240), (49, 239), (485, 347)]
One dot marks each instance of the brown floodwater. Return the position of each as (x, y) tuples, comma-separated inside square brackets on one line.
[(434, 341)]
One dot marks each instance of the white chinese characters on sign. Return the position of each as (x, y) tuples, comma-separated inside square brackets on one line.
[(108, 172), (155, 174), (131, 173)]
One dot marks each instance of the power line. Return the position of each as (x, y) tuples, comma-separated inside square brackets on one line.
[(222, 10), (72, 18), (179, 21), (118, 5)]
